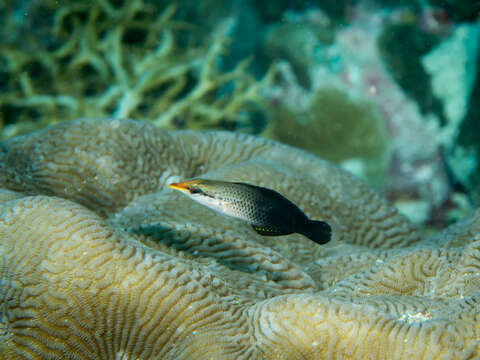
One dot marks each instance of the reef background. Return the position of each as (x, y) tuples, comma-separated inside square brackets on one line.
[(390, 90), (99, 259)]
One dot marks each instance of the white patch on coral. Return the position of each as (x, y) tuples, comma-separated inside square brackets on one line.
[(416, 210), (355, 166), (416, 317), (463, 162), (453, 67)]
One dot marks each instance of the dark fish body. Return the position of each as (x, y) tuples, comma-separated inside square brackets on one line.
[(269, 212)]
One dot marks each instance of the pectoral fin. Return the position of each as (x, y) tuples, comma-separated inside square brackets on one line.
[(265, 231)]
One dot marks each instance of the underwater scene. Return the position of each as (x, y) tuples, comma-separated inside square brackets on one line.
[(242, 179)]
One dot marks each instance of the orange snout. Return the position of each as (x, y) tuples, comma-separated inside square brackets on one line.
[(184, 185)]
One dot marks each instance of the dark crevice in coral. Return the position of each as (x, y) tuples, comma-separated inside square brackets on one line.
[(111, 108), (469, 134), (4, 81), (117, 3), (459, 10), (134, 36), (179, 121), (67, 25), (142, 16), (401, 47), (35, 70), (87, 70), (156, 92), (258, 120), (191, 80), (11, 113)]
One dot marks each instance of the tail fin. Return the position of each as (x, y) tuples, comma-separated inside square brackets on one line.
[(318, 231)]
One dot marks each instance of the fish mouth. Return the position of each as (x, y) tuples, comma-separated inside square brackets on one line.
[(184, 186)]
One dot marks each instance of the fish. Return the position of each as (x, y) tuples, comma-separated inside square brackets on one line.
[(268, 212)]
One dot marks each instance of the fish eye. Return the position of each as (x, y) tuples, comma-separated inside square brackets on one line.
[(195, 191)]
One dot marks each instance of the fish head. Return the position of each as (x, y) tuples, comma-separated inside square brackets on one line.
[(203, 191), (194, 188), (188, 187)]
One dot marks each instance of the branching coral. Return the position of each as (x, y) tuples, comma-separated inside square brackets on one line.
[(145, 274), (127, 59)]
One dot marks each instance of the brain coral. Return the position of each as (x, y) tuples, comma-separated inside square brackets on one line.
[(100, 260)]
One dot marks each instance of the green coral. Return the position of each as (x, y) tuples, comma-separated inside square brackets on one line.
[(339, 128), (122, 59)]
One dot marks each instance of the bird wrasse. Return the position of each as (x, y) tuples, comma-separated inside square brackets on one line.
[(269, 213)]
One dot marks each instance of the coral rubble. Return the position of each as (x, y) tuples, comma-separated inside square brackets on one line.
[(98, 259)]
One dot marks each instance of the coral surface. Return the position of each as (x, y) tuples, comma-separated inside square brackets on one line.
[(100, 260)]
